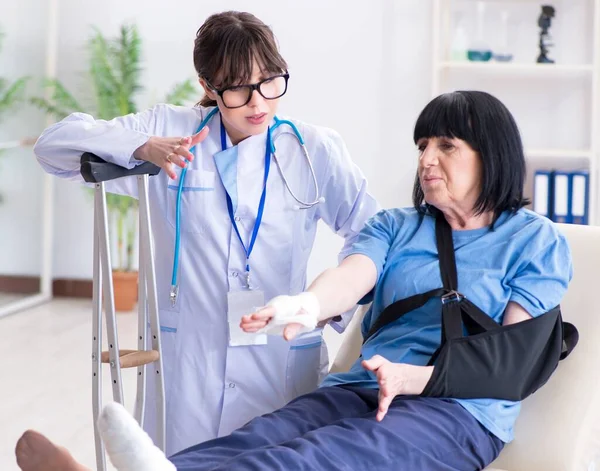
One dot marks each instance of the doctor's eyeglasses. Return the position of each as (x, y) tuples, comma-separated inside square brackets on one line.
[(239, 95)]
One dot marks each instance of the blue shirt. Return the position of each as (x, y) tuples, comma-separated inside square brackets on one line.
[(524, 259)]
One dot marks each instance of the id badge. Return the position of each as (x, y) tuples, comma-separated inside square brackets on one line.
[(241, 303)]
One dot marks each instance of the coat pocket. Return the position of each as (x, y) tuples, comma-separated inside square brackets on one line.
[(197, 196), (304, 365)]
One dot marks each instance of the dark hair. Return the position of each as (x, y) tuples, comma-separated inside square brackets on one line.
[(489, 128), (226, 46)]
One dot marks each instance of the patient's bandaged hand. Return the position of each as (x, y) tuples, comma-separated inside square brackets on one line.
[(301, 309)]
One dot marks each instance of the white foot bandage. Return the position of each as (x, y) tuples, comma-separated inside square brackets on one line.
[(302, 309), (128, 446)]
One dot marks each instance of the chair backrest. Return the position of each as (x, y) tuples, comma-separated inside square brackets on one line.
[(559, 426)]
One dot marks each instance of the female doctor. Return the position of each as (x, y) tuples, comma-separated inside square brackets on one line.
[(248, 214)]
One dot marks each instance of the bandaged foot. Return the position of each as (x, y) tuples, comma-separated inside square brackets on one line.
[(303, 309), (35, 452), (127, 445)]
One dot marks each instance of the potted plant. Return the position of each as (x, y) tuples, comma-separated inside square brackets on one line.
[(10, 95), (115, 71)]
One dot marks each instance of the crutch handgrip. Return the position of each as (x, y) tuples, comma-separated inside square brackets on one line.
[(133, 358), (95, 169)]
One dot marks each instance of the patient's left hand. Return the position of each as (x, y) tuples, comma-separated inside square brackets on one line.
[(395, 379)]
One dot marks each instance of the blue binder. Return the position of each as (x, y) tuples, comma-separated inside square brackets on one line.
[(542, 193), (580, 192), (561, 201)]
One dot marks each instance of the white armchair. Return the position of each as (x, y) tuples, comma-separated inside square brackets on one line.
[(558, 428)]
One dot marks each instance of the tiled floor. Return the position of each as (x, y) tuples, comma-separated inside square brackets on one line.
[(46, 376), (46, 363)]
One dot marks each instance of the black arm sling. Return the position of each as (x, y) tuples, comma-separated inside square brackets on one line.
[(491, 361)]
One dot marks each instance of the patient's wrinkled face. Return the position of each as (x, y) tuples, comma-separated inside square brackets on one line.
[(450, 173)]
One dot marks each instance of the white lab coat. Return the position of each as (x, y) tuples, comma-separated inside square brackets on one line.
[(211, 388)]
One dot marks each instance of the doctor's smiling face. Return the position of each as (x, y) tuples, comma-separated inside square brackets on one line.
[(241, 70)]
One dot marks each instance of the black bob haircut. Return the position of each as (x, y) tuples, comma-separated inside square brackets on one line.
[(483, 122)]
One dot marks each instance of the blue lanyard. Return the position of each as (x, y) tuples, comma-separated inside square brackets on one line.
[(261, 205)]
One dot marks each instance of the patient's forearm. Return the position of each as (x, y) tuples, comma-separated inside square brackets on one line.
[(339, 289), (515, 313)]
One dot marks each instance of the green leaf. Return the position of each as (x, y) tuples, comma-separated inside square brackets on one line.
[(104, 78), (127, 50), (181, 93), (120, 203), (13, 94), (61, 102), (10, 94), (49, 108), (62, 96)]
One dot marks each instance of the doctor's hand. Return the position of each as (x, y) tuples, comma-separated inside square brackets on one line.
[(165, 152), (395, 379)]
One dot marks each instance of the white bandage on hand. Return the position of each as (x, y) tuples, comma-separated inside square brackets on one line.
[(303, 309)]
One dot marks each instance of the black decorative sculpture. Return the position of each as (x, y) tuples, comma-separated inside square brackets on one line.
[(544, 22)]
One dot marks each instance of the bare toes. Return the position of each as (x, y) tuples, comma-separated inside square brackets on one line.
[(34, 452)]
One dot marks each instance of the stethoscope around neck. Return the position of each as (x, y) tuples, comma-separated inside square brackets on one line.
[(271, 146)]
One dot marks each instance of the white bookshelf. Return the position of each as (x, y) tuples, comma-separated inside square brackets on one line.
[(547, 70), (503, 74), (559, 153)]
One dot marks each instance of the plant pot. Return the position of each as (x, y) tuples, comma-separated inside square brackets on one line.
[(125, 284)]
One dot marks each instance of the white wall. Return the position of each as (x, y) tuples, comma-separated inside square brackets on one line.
[(362, 68), (22, 54)]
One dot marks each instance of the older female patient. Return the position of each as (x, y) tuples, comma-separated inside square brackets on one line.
[(511, 263)]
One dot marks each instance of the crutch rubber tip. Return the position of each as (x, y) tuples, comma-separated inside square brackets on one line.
[(128, 446)]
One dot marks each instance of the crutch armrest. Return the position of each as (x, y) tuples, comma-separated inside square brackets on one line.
[(95, 169)]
